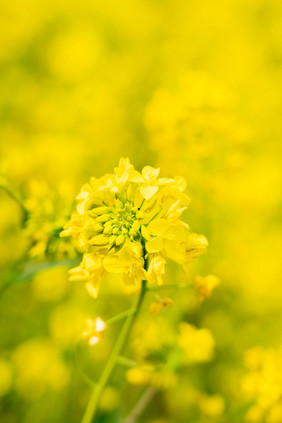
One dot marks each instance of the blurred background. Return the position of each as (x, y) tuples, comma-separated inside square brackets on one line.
[(194, 88)]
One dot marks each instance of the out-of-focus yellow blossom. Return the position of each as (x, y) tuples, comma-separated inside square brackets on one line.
[(10, 221), (110, 399), (50, 284), (191, 115), (138, 376), (163, 379), (38, 367), (73, 54), (156, 307), (47, 211), (212, 406), (197, 344), (254, 415), (95, 331), (6, 376), (205, 285), (187, 397), (263, 384), (146, 339), (66, 324), (125, 218)]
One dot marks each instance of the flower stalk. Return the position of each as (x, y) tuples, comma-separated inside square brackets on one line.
[(20, 204), (91, 409)]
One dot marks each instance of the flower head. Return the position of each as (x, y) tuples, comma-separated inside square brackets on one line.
[(126, 219)]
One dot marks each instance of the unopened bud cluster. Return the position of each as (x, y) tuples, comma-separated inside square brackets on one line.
[(114, 224)]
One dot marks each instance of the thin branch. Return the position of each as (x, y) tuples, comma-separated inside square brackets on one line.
[(120, 316), (23, 209), (141, 405), (170, 286)]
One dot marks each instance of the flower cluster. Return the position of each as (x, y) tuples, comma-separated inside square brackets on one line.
[(129, 223), (47, 210), (263, 384)]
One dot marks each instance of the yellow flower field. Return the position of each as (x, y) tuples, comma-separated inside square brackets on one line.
[(140, 218)]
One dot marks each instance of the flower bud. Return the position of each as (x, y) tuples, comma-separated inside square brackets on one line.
[(108, 230), (119, 239), (103, 218), (101, 210), (99, 240)]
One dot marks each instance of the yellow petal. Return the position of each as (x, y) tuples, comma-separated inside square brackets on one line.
[(145, 233), (66, 232), (158, 226), (150, 173), (175, 251), (99, 240), (166, 181), (84, 193), (100, 325), (136, 177), (120, 239), (115, 264), (155, 245), (148, 192), (92, 290)]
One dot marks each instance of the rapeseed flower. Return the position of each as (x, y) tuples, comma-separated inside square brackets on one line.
[(129, 223)]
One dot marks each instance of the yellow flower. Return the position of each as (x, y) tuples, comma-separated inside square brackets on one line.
[(212, 406), (138, 376), (197, 344), (157, 306), (95, 330), (38, 366), (156, 269), (205, 285), (129, 223), (127, 261), (89, 271), (263, 383)]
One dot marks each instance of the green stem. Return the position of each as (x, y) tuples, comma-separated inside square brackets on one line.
[(170, 286), (120, 343), (23, 209), (120, 316), (126, 362), (141, 405), (130, 363)]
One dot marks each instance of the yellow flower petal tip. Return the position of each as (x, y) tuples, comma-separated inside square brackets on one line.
[(94, 331)]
